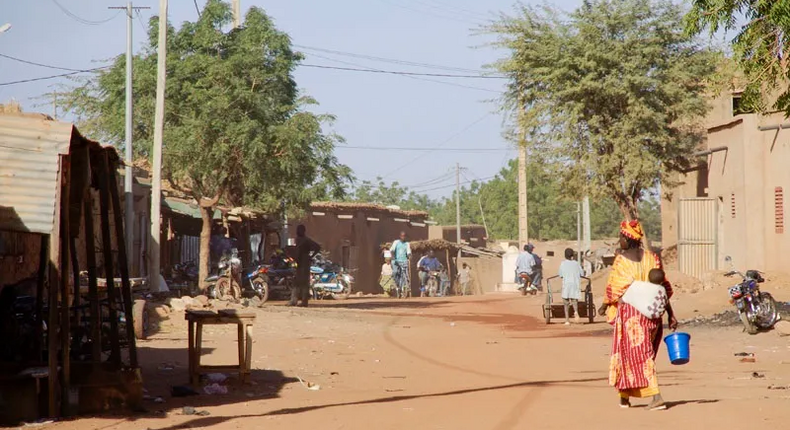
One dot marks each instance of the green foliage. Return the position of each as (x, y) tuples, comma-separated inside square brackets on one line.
[(611, 94), (759, 47), (236, 127), (393, 194), (551, 214)]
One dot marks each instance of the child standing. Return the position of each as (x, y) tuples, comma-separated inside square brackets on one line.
[(571, 273), (464, 276)]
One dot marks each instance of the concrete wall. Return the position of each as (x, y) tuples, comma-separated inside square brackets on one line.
[(486, 273), (742, 180), (474, 235), (356, 242)]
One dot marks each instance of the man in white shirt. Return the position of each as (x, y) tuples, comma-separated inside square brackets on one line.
[(525, 263)]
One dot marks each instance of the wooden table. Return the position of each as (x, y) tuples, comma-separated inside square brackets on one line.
[(197, 319)]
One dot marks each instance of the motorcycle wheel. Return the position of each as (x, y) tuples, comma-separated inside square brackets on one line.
[(141, 319), (747, 325), (261, 289), (345, 293), (431, 288), (770, 315), (227, 288)]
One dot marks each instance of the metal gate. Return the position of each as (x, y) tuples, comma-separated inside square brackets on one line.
[(698, 224)]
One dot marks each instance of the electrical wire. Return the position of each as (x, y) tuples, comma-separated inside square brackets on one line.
[(140, 20), (33, 63), (43, 78), (393, 72), (452, 185), (370, 69), (456, 13), (197, 8), (430, 13), (83, 20), (390, 60), (444, 142), (381, 148)]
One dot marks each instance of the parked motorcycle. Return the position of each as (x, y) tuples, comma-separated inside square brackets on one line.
[(431, 285), (757, 310), (186, 273), (225, 284), (328, 279)]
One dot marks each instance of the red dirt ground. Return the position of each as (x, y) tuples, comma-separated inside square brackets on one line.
[(477, 363)]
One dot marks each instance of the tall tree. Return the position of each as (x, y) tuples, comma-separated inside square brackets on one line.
[(760, 45), (236, 128), (612, 94)]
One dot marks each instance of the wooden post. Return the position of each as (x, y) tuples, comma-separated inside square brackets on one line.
[(93, 286), (449, 269), (65, 311), (75, 273), (54, 280), (126, 286), (109, 273), (43, 260)]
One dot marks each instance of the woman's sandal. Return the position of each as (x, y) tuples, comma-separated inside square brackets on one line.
[(625, 403), (657, 405)]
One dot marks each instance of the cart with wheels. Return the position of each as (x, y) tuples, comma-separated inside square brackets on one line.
[(557, 310)]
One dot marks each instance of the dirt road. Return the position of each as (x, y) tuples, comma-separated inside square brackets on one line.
[(461, 363)]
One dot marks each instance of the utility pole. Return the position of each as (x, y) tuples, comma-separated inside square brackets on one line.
[(129, 157), (523, 225), (159, 125), (236, 13), (579, 229), (586, 229), (458, 211)]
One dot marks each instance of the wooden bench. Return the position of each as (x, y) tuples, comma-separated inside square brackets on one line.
[(197, 319)]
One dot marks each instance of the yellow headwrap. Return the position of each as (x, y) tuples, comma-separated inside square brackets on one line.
[(632, 230)]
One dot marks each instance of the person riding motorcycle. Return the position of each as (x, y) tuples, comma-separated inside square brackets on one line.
[(426, 265), (525, 264)]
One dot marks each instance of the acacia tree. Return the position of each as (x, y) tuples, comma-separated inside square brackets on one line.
[(611, 93), (236, 130), (760, 45)]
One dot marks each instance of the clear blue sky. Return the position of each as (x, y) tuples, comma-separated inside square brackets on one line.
[(373, 110)]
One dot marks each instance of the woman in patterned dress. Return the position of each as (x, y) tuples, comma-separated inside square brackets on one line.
[(636, 340)]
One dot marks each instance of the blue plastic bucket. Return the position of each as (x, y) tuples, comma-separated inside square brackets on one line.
[(678, 347)]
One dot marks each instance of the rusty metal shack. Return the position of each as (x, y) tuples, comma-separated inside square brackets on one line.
[(66, 350)]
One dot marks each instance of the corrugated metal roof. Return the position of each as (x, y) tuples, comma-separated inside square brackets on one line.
[(29, 149)]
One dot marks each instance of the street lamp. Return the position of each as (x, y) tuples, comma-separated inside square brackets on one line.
[(4, 28)]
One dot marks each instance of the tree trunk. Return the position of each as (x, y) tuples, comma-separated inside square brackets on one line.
[(206, 213)]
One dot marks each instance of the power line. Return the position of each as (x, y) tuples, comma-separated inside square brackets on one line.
[(80, 19), (404, 148), (453, 184), (197, 8), (432, 182), (43, 78), (430, 13), (407, 76), (444, 142), (33, 63), (389, 60), (140, 20), (393, 72)]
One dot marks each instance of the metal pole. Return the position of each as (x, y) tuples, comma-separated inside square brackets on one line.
[(579, 229), (458, 211), (127, 180), (128, 158), (159, 123)]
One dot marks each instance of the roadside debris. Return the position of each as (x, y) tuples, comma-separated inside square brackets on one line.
[(217, 378), (756, 375), (189, 410), (748, 360), (215, 389), (779, 387), (183, 391), (744, 354), (309, 385)]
